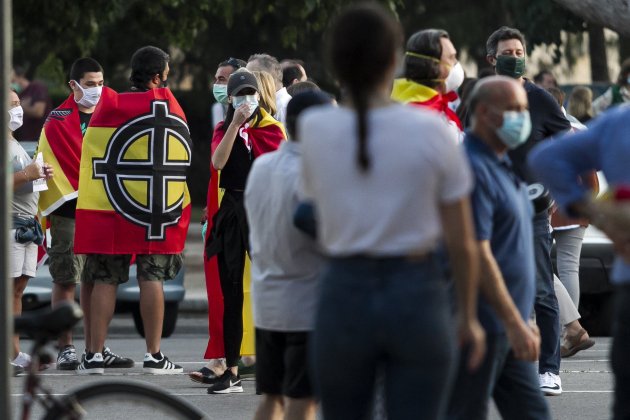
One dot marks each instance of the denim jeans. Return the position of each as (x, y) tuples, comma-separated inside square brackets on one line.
[(620, 351), (513, 384), (546, 304), (388, 314)]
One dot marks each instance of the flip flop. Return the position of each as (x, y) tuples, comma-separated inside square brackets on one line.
[(575, 345), (203, 376)]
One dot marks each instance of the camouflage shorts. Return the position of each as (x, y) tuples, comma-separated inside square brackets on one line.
[(65, 267), (114, 269)]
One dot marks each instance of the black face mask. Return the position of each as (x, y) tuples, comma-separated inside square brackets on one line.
[(164, 83), (510, 66)]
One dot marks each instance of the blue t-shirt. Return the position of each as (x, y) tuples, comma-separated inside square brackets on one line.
[(503, 215)]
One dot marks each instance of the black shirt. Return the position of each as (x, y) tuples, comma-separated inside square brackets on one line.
[(547, 120), (234, 173), (68, 209)]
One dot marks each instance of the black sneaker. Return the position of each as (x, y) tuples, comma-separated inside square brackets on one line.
[(17, 369), (112, 360), (92, 364), (162, 366), (67, 358), (228, 383)]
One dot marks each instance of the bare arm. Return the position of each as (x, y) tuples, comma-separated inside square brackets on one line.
[(222, 152), (30, 173), (524, 340), (462, 249)]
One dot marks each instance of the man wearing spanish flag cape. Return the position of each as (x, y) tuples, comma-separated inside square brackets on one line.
[(133, 200), (60, 144)]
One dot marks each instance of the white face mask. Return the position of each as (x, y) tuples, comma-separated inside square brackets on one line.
[(90, 95), (455, 78), (17, 118), (250, 100)]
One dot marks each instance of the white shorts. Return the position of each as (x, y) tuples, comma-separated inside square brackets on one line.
[(22, 257)]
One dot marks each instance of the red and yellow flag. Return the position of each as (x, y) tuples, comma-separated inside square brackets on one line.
[(60, 144), (133, 195)]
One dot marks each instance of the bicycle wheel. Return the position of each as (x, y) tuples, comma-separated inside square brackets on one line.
[(116, 400)]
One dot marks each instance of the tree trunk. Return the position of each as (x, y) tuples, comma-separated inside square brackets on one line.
[(613, 14), (597, 52)]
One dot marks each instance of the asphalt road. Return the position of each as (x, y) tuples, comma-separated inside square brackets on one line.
[(586, 377)]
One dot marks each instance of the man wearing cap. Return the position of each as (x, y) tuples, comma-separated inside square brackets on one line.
[(247, 132)]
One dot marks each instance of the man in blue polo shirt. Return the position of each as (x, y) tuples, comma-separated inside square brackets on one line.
[(503, 221)]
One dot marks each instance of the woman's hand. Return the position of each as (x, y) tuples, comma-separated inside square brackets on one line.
[(241, 114)]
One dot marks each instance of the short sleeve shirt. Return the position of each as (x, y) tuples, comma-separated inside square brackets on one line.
[(503, 215), (393, 208), (24, 201)]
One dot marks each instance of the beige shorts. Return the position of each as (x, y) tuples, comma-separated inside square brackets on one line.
[(22, 258)]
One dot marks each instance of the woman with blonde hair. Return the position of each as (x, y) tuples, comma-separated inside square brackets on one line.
[(267, 89), (580, 103)]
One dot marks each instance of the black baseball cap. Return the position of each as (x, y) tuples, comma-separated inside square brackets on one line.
[(240, 80)]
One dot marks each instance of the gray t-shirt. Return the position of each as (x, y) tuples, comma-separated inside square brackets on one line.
[(24, 201), (285, 262)]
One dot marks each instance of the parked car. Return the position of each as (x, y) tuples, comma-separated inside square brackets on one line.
[(596, 291), (38, 292)]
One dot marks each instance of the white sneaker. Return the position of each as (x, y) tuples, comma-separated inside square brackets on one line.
[(22, 360), (550, 384)]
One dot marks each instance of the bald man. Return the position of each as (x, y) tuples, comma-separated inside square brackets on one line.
[(503, 221)]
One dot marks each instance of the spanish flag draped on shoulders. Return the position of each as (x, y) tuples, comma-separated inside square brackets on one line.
[(60, 144), (133, 195), (262, 134), (416, 94)]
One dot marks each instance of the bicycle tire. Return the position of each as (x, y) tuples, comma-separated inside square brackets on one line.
[(101, 391)]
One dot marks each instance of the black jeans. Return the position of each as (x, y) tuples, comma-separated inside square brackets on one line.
[(228, 240), (546, 304), (620, 353)]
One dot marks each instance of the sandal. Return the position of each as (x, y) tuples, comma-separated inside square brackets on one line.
[(576, 344), (203, 376)]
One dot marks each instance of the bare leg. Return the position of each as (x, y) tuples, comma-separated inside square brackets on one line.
[(102, 305), (152, 311), (270, 408), (86, 298), (19, 284), (299, 409), (63, 293)]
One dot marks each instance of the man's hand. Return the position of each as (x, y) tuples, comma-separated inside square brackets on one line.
[(471, 334), (524, 340)]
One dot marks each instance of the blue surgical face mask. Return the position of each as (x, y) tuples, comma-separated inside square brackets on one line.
[(250, 100), (516, 128), (220, 93)]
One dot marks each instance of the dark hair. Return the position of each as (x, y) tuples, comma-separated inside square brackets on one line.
[(82, 66), (624, 73), (557, 94), (300, 87), (464, 91), (21, 71), (290, 73), (301, 102), (423, 70), (580, 103), (267, 63), (146, 63), (361, 45), (236, 63), (538, 78), (502, 34)]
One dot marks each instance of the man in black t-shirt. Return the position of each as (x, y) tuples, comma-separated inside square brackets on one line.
[(505, 50)]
